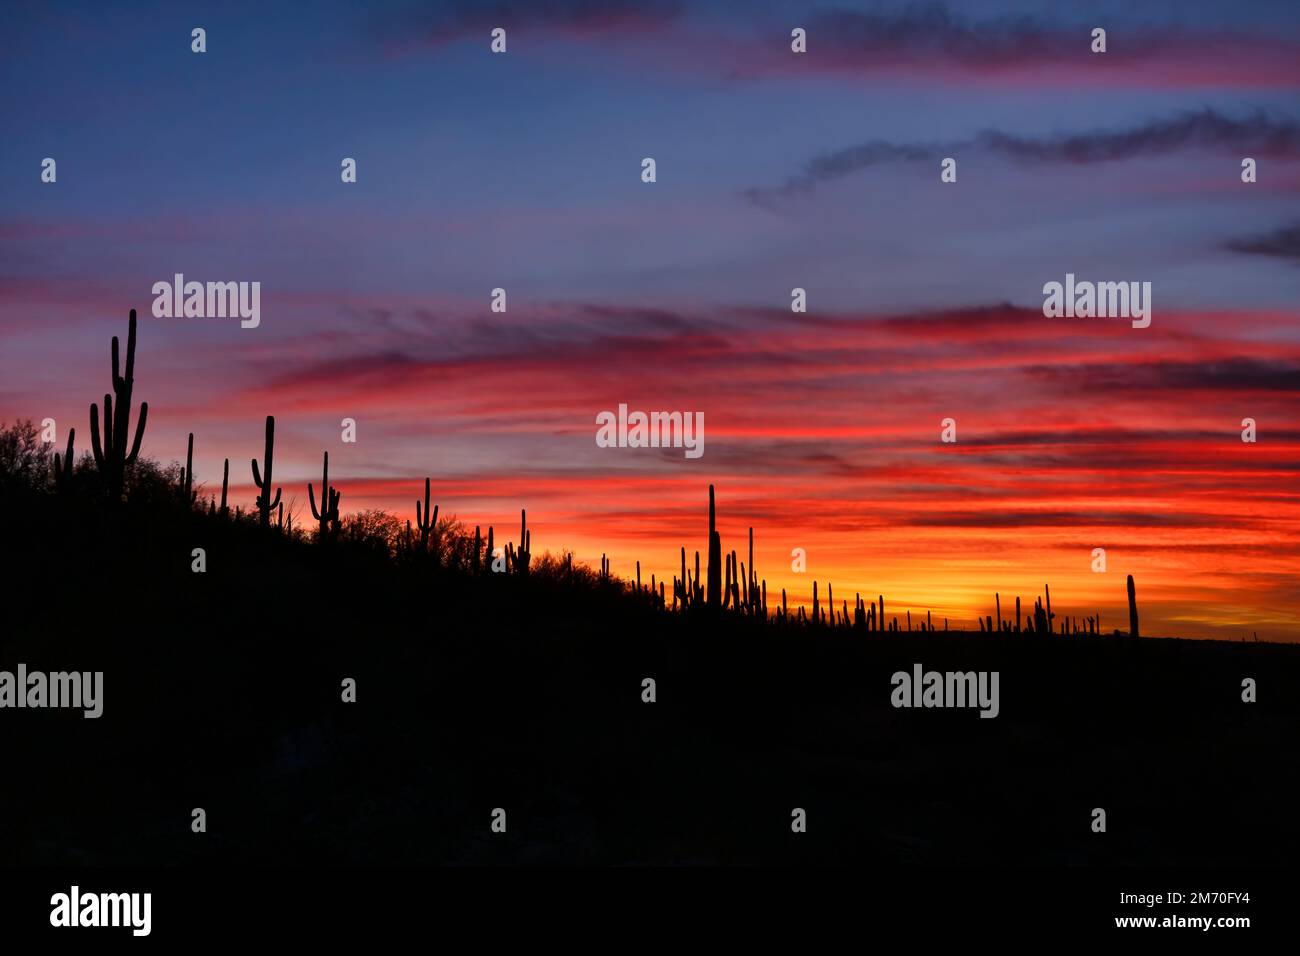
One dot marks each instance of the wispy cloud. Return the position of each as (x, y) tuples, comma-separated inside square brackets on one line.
[(1282, 243), (930, 36), (1255, 134), (1238, 374)]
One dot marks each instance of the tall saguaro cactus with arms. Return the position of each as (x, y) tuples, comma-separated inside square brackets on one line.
[(714, 594), (111, 455), (328, 515), (63, 466), (265, 503), (426, 520)]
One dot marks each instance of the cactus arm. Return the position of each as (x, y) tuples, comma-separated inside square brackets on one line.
[(94, 436), (139, 433), (130, 351)]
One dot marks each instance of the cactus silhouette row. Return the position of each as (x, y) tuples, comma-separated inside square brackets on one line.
[(739, 590), (729, 586)]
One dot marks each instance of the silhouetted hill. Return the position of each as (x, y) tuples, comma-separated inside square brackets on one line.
[(477, 690)]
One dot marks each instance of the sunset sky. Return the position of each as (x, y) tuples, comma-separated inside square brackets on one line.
[(775, 170)]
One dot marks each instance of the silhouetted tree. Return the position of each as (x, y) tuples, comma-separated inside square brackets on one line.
[(24, 458), (373, 529)]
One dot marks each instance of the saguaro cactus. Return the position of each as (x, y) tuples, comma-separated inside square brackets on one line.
[(517, 561), (225, 485), (525, 551), (737, 571), (111, 455), (1132, 610), (63, 469), (265, 505), (427, 520), (726, 582), (714, 597), (686, 594), (753, 575), (328, 515), (187, 473)]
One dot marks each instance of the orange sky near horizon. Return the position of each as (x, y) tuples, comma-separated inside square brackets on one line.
[(1186, 586), (822, 433)]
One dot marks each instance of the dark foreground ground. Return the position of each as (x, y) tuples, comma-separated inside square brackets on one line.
[(222, 691)]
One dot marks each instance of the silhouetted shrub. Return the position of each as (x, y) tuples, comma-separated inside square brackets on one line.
[(373, 529), (25, 461)]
